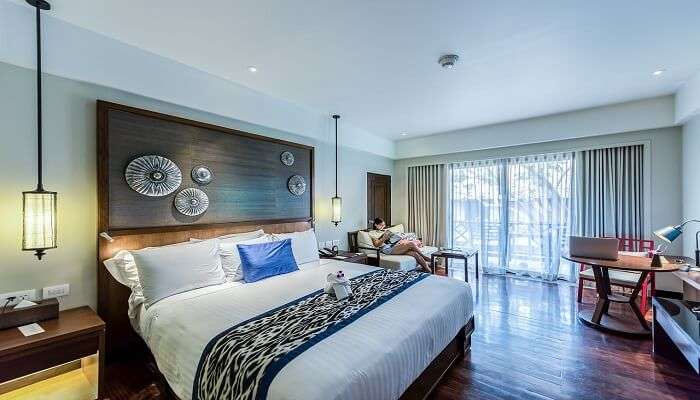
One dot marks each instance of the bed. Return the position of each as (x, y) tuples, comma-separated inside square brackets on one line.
[(378, 356), (398, 348), (391, 352)]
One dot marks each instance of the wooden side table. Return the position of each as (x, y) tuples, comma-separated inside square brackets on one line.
[(357, 258), (462, 255), (70, 345)]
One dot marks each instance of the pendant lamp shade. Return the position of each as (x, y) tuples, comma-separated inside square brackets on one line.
[(39, 205), (336, 201), (337, 208), (39, 221)]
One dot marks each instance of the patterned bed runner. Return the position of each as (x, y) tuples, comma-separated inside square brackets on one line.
[(242, 361)]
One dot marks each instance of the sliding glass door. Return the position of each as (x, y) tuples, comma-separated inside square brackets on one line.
[(516, 211), (478, 211)]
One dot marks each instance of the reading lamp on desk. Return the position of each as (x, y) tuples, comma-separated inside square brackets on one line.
[(671, 233)]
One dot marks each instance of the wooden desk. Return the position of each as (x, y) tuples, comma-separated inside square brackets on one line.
[(691, 284), (599, 318)]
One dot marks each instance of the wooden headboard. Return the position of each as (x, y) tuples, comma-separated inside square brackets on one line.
[(288, 214)]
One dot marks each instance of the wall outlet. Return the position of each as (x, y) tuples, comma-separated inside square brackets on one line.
[(29, 294), (50, 292)]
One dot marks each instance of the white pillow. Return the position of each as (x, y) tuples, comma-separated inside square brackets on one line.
[(230, 259), (304, 245), (123, 268), (243, 235), (364, 240), (396, 229), (165, 271)]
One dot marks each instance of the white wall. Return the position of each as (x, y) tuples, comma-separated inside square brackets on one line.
[(688, 99), (617, 118), (70, 169), (664, 197), (688, 112), (691, 181)]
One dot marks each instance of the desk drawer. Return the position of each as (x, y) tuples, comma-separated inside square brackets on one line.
[(45, 356)]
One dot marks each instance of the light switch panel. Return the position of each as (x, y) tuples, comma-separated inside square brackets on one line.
[(51, 292)]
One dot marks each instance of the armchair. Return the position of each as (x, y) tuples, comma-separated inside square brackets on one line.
[(376, 258)]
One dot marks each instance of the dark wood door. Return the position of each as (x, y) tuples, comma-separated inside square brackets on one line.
[(378, 197)]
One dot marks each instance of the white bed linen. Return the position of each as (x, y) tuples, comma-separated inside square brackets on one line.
[(376, 357)]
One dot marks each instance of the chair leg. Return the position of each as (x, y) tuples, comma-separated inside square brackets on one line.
[(580, 290)]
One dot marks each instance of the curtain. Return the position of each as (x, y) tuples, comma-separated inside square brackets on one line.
[(427, 203), (610, 192), (539, 204), (516, 211)]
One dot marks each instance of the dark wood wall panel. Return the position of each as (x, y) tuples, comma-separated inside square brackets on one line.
[(250, 182)]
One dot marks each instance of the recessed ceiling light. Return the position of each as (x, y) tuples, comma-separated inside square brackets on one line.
[(658, 72), (253, 68), (404, 134)]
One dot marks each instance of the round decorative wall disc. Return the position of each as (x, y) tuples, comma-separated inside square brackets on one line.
[(153, 176), (191, 202), (296, 185), (202, 174), (287, 158)]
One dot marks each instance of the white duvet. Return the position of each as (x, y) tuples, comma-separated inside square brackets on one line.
[(376, 357)]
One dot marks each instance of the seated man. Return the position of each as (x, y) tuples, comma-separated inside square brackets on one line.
[(397, 243)]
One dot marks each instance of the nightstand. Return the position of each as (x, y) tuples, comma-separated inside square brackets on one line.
[(357, 258), (65, 361)]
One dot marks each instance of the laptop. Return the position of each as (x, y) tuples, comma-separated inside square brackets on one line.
[(588, 247)]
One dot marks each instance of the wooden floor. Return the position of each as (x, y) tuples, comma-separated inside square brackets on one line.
[(528, 344)]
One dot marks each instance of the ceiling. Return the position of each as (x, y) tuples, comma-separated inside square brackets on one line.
[(375, 62)]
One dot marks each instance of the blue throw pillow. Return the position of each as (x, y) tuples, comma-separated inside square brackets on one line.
[(263, 260)]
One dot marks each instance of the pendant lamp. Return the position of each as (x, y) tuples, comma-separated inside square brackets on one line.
[(336, 201), (38, 205)]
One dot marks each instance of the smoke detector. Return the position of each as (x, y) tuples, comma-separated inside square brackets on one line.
[(448, 61)]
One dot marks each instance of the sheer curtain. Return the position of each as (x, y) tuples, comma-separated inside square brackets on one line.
[(516, 211), (539, 221), (478, 218)]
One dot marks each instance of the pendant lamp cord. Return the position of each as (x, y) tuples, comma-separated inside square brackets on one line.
[(39, 186)]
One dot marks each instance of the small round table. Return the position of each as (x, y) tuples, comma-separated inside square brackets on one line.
[(599, 317)]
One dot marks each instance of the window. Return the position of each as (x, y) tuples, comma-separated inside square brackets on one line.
[(516, 211)]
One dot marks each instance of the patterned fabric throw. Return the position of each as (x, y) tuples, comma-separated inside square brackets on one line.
[(242, 361)]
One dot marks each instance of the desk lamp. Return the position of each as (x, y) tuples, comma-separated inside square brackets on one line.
[(671, 233)]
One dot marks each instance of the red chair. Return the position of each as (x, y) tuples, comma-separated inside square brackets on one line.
[(624, 279)]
